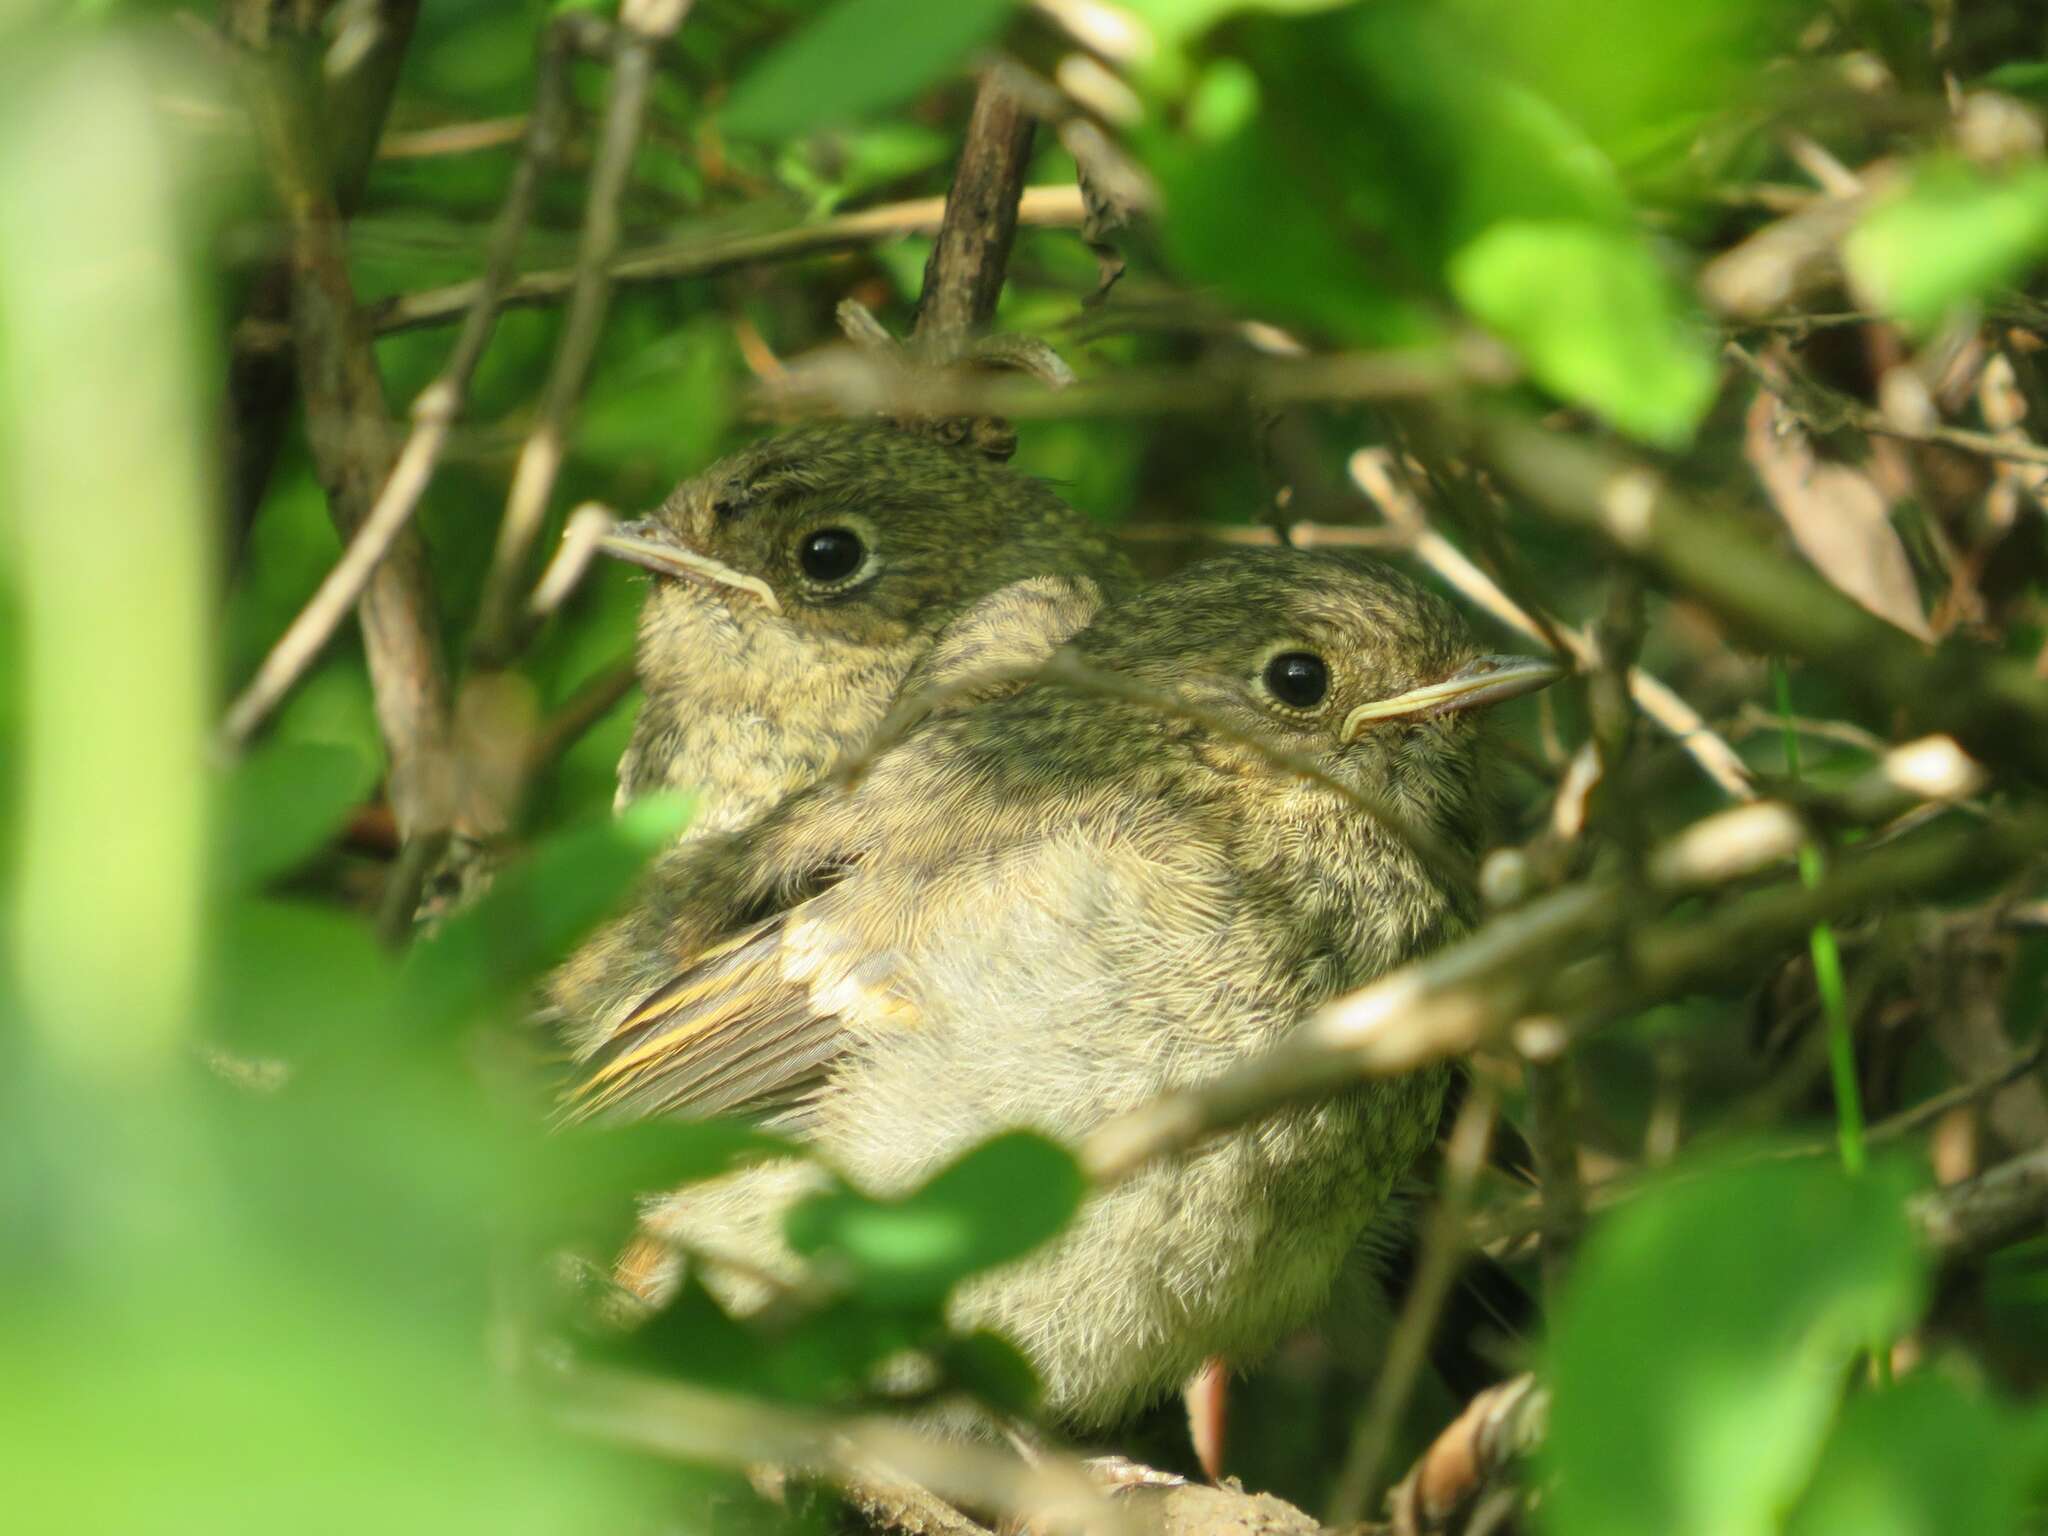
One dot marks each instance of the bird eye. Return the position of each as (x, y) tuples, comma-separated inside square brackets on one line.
[(1298, 679), (830, 554)]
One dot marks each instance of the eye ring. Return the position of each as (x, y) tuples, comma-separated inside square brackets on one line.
[(831, 556), (1296, 680)]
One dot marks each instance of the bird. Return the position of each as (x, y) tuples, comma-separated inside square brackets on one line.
[(1120, 879), (801, 579)]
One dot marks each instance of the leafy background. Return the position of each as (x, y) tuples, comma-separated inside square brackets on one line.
[(288, 1243)]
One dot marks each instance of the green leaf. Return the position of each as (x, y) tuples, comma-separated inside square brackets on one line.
[(596, 1164), (858, 58), (1698, 1356), (831, 1355), (1923, 1458), (1172, 21), (994, 1370), (1374, 147), (536, 909), (1951, 235), (1634, 77), (996, 1203), (282, 805), (1596, 319)]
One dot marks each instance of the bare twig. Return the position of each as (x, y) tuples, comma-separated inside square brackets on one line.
[(1553, 1138), (2000, 1206), (349, 431), (1718, 760), (434, 415), (453, 139), (964, 274), (1045, 207), (1517, 964), (643, 24), (1993, 705), (671, 1418), (261, 380), (1846, 410), (1293, 536), (1443, 1250), (588, 705), (859, 383), (587, 524)]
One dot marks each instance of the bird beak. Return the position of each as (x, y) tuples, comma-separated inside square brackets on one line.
[(646, 543), (1488, 680)]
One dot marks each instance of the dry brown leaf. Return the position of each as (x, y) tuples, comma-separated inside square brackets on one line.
[(1836, 515)]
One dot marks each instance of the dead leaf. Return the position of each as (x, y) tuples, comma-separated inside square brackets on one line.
[(1836, 515)]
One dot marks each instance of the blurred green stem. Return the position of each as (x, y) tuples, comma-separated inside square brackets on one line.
[(1827, 969)]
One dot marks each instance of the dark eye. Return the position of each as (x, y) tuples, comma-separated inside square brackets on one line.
[(1299, 679), (830, 554)]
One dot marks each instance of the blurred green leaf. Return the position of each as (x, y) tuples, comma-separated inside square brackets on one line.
[(1922, 1458), (832, 168), (827, 1355), (1172, 21), (996, 1203), (1381, 143), (1634, 76), (860, 56), (1597, 321), (605, 1162), (994, 1370), (283, 804), (2022, 77), (1952, 234), (536, 909), (1697, 1357)]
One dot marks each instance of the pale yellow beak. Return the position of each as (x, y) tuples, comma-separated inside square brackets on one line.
[(644, 544), (1488, 680)]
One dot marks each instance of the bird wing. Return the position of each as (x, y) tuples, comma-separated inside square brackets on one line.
[(748, 1027), (780, 943)]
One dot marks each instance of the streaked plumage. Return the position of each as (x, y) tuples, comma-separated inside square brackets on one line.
[(1051, 907), (757, 676)]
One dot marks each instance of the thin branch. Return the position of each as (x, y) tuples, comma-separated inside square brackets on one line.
[(856, 382), (434, 415), (588, 705), (964, 275), (1994, 705), (1514, 1223), (643, 25), (1838, 409), (2001, 1206), (261, 382), (565, 572), (671, 261), (1716, 758), (1553, 1138), (671, 1418), (349, 429), (1554, 957), (1443, 1250), (453, 139)]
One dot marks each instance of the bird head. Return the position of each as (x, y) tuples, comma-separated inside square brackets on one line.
[(1328, 659), (856, 533)]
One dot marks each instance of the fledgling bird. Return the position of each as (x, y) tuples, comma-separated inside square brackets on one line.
[(800, 581), (1056, 905)]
